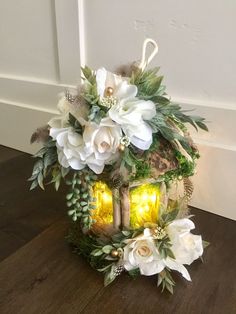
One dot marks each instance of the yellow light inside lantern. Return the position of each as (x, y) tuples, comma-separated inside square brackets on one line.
[(144, 204), (103, 213)]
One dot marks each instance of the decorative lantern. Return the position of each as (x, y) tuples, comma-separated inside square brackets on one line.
[(120, 144), (142, 206)]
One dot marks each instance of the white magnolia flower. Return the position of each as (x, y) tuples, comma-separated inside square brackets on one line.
[(78, 110), (141, 252), (126, 110), (70, 147), (186, 246), (121, 88), (101, 143), (131, 115)]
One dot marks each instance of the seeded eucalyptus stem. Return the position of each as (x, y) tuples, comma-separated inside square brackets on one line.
[(80, 198)]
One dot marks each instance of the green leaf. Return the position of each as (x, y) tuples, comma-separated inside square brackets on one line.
[(38, 167), (129, 158), (71, 212), (50, 143), (166, 281), (110, 276), (169, 216), (64, 171), (134, 272), (170, 253), (107, 249), (96, 114), (40, 180), (49, 158), (33, 177), (105, 268), (126, 233), (88, 74), (169, 287), (148, 83), (40, 153), (110, 258), (34, 185), (205, 244), (57, 184), (83, 203), (97, 252), (75, 123), (202, 125), (69, 196)]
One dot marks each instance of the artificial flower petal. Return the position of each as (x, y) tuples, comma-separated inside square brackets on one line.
[(186, 246), (131, 115), (121, 88), (75, 163), (125, 90), (141, 144), (101, 143), (69, 147), (174, 265)]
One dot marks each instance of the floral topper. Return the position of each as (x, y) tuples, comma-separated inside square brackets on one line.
[(121, 118), (122, 129)]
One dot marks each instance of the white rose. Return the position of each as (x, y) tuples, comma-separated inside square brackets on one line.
[(101, 143), (70, 147), (131, 114), (142, 253), (78, 110), (120, 86), (186, 246)]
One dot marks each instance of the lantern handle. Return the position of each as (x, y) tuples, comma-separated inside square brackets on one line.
[(144, 62)]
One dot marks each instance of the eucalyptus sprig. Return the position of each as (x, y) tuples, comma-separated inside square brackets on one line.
[(148, 83), (166, 281), (46, 158), (90, 93)]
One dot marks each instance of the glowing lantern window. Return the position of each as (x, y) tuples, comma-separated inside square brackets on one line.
[(104, 208), (144, 204)]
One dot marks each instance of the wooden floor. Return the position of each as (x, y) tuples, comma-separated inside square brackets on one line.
[(39, 273)]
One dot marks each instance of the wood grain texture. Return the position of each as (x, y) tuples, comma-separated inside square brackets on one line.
[(7, 153), (40, 274), (45, 277), (23, 214), (212, 289)]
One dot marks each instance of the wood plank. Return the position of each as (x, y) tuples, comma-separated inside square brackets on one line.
[(53, 280), (15, 198), (24, 213), (9, 243), (212, 289), (7, 153), (45, 277)]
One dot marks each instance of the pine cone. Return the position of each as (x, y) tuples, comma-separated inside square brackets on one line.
[(188, 188)]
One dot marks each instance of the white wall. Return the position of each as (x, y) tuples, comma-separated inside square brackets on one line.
[(39, 56), (40, 53)]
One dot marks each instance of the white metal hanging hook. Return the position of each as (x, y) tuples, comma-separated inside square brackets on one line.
[(144, 62)]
